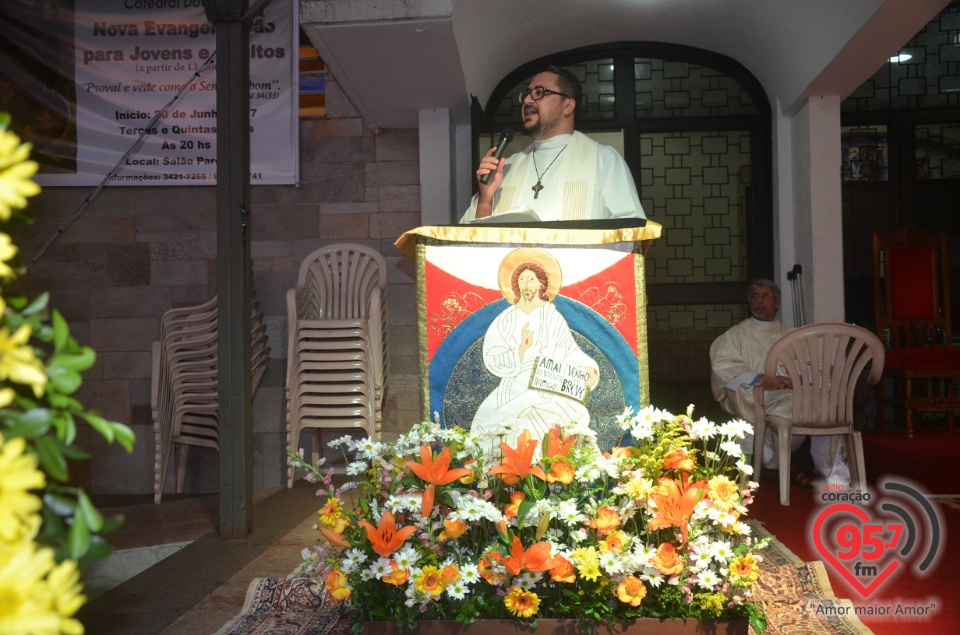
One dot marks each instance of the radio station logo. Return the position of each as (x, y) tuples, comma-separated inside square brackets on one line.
[(870, 540)]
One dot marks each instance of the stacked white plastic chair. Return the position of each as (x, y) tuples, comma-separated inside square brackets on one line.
[(338, 354), (184, 384)]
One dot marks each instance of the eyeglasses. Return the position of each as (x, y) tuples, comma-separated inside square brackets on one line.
[(761, 296), (538, 92)]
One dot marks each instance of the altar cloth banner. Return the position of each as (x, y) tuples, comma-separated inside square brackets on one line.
[(532, 334)]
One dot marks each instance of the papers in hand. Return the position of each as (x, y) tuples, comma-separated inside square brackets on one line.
[(520, 214)]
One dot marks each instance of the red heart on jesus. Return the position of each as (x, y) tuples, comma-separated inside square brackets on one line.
[(824, 550)]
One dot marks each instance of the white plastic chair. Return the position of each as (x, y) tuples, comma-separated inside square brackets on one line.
[(824, 362), (338, 357), (184, 384)]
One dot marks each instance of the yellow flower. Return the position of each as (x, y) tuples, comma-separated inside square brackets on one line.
[(744, 570), (19, 509), (430, 581), (7, 251), (38, 596), (522, 603), (332, 516), (15, 174), (723, 492), (588, 562), (18, 362), (66, 598), (638, 488)]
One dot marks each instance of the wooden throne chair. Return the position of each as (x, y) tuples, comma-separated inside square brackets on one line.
[(912, 295)]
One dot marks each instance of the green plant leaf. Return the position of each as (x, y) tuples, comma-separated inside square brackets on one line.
[(32, 424), (124, 435), (79, 361), (78, 540), (38, 305), (99, 424), (61, 331), (91, 516), (51, 459), (63, 506), (62, 379)]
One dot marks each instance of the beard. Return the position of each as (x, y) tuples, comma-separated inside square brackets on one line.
[(540, 129), (527, 294)]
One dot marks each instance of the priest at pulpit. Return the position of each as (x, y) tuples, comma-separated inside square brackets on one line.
[(563, 175)]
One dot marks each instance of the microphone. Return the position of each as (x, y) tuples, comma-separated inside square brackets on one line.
[(506, 136)]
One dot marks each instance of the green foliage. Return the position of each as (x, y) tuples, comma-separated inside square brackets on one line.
[(41, 408)]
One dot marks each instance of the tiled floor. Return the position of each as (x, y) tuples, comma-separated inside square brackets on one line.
[(198, 588)]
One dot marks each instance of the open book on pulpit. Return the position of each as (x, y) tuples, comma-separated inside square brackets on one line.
[(532, 324), (521, 214)]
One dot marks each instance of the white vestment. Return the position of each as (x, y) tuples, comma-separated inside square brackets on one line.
[(736, 364), (513, 406), (588, 181)]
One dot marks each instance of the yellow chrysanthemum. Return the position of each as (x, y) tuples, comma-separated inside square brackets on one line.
[(588, 562), (26, 600), (7, 251), (19, 509), (15, 174), (65, 595), (18, 361), (638, 488), (522, 603), (6, 397)]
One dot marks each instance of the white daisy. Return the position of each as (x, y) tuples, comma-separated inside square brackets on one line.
[(703, 428), (708, 580), (457, 590)]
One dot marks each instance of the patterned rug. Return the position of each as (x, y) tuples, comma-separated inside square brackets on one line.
[(795, 595)]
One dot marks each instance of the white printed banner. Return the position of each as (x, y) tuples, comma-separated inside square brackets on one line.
[(132, 57)]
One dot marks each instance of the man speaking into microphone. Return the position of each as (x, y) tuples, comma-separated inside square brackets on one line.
[(563, 175)]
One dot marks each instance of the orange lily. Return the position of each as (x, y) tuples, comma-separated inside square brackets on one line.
[(516, 463), (387, 538), (554, 444), (536, 558), (675, 503), (335, 538), (435, 472)]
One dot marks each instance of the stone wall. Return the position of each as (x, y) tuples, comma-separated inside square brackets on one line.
[(138, 251)]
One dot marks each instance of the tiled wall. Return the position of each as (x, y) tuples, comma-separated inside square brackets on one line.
[(138, 252)]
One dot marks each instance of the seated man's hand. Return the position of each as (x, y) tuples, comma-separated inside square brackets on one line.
[(776, 382)]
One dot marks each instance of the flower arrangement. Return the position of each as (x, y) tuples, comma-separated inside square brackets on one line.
[(48, 528), (446, 525)]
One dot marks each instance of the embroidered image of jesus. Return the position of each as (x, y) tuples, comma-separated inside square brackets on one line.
[(544, 376)]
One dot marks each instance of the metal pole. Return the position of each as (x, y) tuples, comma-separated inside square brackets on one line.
[(233, 265)]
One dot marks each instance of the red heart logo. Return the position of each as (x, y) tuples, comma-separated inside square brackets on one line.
[(865, 591)]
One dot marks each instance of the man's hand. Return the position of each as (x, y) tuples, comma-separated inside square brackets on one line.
[(776, 382), (526, 340), (493, 166), (593, 377)]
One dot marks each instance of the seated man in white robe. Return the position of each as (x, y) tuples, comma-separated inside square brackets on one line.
[(736, 365)]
